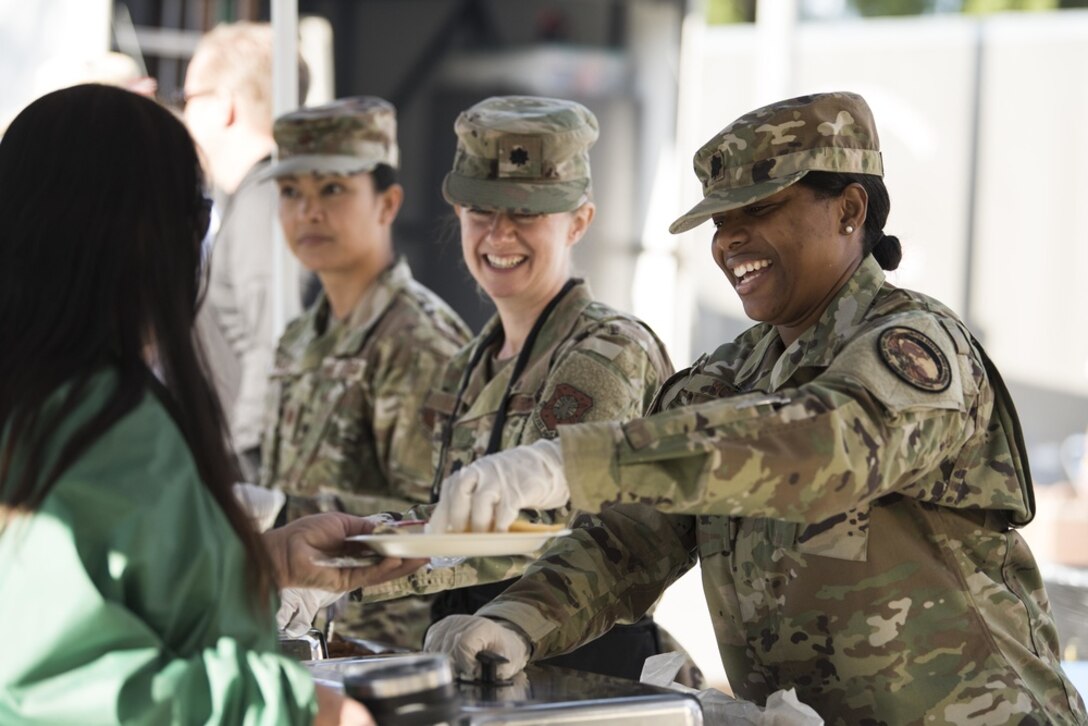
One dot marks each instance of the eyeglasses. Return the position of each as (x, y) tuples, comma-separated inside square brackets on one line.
[(179, 99)]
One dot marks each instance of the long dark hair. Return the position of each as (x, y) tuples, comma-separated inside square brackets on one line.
[(885, 248), (100, 269)]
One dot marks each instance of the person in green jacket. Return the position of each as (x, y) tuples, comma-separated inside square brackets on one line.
[(134, 588)]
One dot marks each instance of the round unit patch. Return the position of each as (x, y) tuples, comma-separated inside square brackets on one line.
[(915, 358)]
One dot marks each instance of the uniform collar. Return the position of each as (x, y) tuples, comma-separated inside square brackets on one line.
[(559, 323), (353, 331), (818, 346)]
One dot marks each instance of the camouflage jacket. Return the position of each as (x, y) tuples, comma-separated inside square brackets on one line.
[(588, 363), (343, 428), (849, 508)]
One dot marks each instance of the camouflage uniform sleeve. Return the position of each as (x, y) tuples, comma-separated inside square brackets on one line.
[(273, 399), (856, 432), (611, 373), (402, 442), (612, 568)]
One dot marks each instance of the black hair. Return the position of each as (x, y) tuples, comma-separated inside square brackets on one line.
[(100, 270), (885, 248), (384, 177)]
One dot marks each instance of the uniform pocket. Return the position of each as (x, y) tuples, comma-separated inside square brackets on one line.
[(715, 536), (841, 537)]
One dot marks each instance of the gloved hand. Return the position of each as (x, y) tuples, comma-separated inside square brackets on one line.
[(487, 494), (261, 505), (461, 637), (299, 606)]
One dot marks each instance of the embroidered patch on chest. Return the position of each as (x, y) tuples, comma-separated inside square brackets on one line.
[(567, 405), (915, 358)]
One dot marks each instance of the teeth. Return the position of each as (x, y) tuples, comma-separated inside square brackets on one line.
[(505, 262), (745, 267)]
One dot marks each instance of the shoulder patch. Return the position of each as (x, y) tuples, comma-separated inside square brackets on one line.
[(915, 358), (567, 405)]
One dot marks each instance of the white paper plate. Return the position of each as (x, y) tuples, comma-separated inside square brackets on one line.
[(348, 560), (462, 544)]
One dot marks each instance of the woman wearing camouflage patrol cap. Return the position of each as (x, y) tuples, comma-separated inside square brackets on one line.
[(520, 187), (848, 472), (343, 430)]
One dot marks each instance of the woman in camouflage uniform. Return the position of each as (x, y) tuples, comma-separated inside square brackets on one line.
[(343, 430), (849, 472), (520, 187)]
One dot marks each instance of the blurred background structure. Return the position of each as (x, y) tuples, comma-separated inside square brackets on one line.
[(981, 104)]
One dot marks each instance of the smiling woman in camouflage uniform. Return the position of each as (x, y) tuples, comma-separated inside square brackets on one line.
[(520, 187), (849, 471), (343, 430)]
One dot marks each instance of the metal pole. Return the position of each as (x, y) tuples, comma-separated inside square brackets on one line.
[(285, 271), (971, 253), (776, 22)]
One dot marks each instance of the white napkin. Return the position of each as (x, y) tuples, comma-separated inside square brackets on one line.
[(783, 708)]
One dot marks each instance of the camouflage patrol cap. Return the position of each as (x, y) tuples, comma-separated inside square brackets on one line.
[(768, 149), (522, 154), (347, 136)]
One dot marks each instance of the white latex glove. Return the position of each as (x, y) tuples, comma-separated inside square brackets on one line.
[(461, 637), (261, 505), (487, 494), (299, 606)]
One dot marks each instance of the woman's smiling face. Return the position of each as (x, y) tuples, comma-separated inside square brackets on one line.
[(520, 258), (788, 254)]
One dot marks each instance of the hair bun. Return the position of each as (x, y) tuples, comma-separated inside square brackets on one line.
[(888, 251)]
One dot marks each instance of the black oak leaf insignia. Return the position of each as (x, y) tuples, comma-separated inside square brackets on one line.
[(519, 156)]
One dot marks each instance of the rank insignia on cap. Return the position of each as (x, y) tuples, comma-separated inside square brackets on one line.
[(915, 358), (716, 166), (567, 405), (520, 156)]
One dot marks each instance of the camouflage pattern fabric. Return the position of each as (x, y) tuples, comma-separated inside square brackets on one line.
[(522, 154), (589, 363), (344, 431), (772, 147), (852, 527), (346, 136)]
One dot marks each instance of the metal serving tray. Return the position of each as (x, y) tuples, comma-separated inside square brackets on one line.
[(551, 695)]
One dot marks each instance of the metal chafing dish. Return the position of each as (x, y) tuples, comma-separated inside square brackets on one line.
[(313, 645), (543, 695), (308, 646)]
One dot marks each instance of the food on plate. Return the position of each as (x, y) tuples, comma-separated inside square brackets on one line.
[(520, 525)]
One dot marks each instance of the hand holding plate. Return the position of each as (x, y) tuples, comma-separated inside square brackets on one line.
[(294, 548)]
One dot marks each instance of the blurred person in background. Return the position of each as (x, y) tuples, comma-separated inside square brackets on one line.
[(111, 68), (849, 472), (343, 429), (227, 105), (134, 588), (521, 190)]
